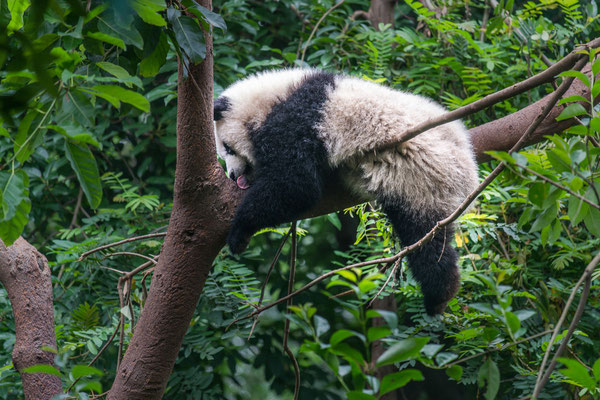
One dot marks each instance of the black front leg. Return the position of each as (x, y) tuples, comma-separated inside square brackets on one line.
[(275, 198)]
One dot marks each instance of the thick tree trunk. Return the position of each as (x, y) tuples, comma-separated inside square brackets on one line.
[(203, 205), (382, 12), (25, 274)]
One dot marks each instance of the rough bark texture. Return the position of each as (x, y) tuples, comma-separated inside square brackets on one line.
[(203, 205), (25, 274)]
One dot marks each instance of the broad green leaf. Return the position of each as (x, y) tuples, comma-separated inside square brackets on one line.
[(489, 373), (577, 74), (75, 133), (572, 99), (537, 193), (189, 36), (596, 369), (572, 110), (445, 357), (148, 11), (76, 108), (83, 163), (106, 38), (4, 17), (377, 332), (151, 64), (399, 379), (592, 221), (83, 370), (545, 218), (596, 89), (577, 210), (121, 26), (559, 159), (512, 322), (356, 395), (25, 143), (455, 372), (321, 325), (348, 275), (11, 229), (343, 334), (124, 95), (577, 373), (42, 369), (390, 318), (13, 191), (349, 353), (365, 286), (92, 386), (17, 9), (406, 349), (211, 17)]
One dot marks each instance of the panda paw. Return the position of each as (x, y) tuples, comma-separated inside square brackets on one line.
[(238, 241)]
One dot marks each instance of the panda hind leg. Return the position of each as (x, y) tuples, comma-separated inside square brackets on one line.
[(434, 265)]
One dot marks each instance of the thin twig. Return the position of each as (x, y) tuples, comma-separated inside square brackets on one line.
[(312, 33), (107, 246), (76, 210), (129, 253), (558, 185), (286, 330), (585, 277), (264, 285), (488, 351)]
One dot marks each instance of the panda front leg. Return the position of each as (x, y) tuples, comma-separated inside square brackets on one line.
[(434, 265), (274, 198)]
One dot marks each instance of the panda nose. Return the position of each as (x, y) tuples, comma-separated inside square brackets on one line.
[(232, 176)]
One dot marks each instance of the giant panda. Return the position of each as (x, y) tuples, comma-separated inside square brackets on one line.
[(285, 134)]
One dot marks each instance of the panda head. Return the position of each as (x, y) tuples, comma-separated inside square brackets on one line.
[(242, 108), (233, 144)]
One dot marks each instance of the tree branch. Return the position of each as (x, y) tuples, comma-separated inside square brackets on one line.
[(25, 274)]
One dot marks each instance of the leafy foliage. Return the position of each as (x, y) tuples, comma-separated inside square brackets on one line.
[(87, 150)]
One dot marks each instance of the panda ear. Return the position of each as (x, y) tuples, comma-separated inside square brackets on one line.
[(222, 104)]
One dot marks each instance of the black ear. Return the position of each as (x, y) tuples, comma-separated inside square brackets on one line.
[(222, 104)]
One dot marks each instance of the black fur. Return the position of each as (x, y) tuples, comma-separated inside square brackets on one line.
[(291, 162), (221, 105), (434, 266)]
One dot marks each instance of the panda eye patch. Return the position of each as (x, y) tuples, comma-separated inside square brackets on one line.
[(228, 149)]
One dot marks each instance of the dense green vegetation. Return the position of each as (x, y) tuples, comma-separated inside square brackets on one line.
[(87, 157)]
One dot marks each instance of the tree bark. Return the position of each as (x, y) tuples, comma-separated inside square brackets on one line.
[(381, 12), (25, 274), (203, 206)]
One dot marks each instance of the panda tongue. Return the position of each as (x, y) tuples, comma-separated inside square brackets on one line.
[(242, 182)]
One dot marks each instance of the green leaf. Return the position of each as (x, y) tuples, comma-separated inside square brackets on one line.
[(43, 369), (577, 373), (572, 110), (76, 108), (545, 218), (356, 395), (348, 275), (579, 75), (124, 95), (15, 205), (113, 69), (189, 36), (455, 372), (592, 221), (512, 322), (148, 11), (211, 17), (25, 143), (17, 9), (343, 334), (83, 163), (121, 26), (537, 193), (75, 133), (406, 349), (489, 373), (399, 379), (377, 332), (79, 371), (151, 64), (93, 386), (106, 38), (572, 99), (596, 369), (596, 89)]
